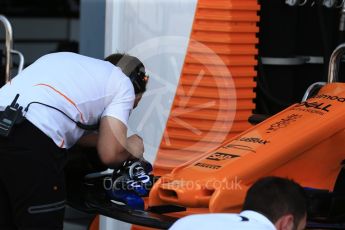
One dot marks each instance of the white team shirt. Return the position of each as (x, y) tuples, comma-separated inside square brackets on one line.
[(245, 220), (85, 88)]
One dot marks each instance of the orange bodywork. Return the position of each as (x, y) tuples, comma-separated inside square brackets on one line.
[(305, 142), (216, 84)]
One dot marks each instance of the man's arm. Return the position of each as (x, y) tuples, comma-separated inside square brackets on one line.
[(112, 141), (135, 146), (113, 145)]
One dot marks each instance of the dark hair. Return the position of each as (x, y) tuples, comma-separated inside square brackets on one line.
[(133, 68), (275, 197)]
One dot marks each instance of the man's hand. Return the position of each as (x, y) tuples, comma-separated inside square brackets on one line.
[(135, 146)]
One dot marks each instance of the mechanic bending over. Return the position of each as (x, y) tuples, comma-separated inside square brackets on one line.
[(64, 96)]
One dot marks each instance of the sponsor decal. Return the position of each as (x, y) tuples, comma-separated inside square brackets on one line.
[(254, 140), (329, 97), (218, 156), (315, 107), (283, 123), (241, 147), (209, 166)]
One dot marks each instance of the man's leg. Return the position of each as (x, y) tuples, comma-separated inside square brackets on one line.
[(35, 184), (6, 220)]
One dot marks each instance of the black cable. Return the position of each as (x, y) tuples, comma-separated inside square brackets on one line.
[(79, 124), (36, 102)]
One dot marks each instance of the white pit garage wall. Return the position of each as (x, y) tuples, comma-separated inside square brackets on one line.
[(157, 32)]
